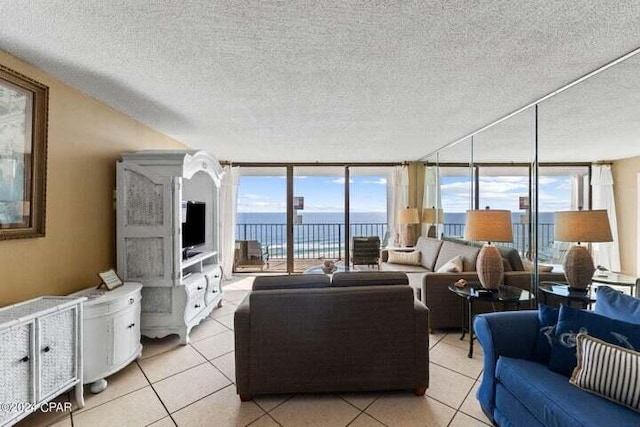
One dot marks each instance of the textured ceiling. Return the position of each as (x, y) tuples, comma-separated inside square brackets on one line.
[(318, 81), (597, 120)]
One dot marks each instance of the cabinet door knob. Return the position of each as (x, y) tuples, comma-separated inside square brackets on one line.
[(47, 349), (25, 359), (199, 288), (197, 306), (131, 325), (131, 300), (216, 276)]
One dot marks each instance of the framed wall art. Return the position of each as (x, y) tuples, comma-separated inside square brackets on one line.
[(23, 155)]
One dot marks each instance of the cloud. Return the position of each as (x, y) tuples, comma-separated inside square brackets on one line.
[(379, 181), (251, 196), (340, 181)]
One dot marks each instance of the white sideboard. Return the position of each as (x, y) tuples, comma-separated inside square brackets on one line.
[(111, 331), (40, 354), (151, 188)]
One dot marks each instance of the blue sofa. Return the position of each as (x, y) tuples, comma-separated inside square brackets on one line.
[(518, 391)]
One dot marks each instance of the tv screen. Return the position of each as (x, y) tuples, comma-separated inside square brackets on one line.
[(193, 227)]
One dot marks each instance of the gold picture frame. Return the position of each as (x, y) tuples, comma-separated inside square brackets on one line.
[(24, 105)]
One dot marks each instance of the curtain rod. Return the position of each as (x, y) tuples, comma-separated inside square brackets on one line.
[(538, 101), (304, 164)]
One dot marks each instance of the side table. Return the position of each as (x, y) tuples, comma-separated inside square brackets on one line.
[(111, 331), (572, 295), (618, 279), (475, 292)]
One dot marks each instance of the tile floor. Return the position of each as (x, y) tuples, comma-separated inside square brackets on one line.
[(193, 385)]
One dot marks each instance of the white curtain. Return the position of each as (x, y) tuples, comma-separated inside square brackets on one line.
[(605, 254), (228, 208), (397, 198), (432, 197)]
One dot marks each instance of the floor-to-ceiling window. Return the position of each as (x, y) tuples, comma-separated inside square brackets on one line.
[(261, 233), (293, 218)]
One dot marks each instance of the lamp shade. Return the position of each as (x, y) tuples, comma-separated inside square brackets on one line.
[(489, 225), (408, 216), (582, 226), (433, 216)]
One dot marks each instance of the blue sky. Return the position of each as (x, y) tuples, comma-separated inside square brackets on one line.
[(503, 192), (321, 193), (368, 193)]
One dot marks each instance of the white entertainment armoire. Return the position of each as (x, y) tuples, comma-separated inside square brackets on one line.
[(152, 188)]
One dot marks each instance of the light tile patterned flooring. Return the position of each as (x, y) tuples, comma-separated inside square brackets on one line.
[(193, 385)]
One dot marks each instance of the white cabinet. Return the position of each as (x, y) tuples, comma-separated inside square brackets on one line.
[(111, 331), (40, 354), (152, 188)]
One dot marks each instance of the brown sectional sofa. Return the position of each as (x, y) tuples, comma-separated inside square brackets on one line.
[(360, 331), (445, 308)]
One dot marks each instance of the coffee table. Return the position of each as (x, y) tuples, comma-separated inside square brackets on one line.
[(474, 291), (338, 268)]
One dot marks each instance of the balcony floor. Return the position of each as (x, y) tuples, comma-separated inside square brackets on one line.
[(279, 265)]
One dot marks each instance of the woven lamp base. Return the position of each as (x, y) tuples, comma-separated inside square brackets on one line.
[(578, 267), (489, 267), (408, 236)]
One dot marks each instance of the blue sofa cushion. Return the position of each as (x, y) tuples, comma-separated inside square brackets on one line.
[(572, 321), (547, 320), (552, 400), (510, 412), (616, 305)]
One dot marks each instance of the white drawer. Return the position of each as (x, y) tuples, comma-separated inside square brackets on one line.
[(194, 306), (214, 279)]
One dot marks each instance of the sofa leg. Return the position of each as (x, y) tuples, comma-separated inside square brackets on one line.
[(245, 397), (420, 391)]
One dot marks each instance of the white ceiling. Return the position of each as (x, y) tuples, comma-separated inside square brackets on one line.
[(325, 81)]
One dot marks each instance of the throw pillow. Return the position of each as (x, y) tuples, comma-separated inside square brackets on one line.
[(452, 266), (596, 374), (406, 258), (572, 321), (617, 305), (547, 320)]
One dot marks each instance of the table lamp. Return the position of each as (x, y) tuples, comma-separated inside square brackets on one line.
[(406, 218), (432, 216), (581, 226), (489, 226)]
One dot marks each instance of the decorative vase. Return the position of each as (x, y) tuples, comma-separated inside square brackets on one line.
[(328, 266), (489, 267), (578, 267)]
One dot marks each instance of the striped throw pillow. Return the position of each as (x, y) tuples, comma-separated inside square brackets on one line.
[(406, 258), (608, 370)]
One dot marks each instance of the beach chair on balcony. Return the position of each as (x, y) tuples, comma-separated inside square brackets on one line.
[(366, 251), (250, 254)]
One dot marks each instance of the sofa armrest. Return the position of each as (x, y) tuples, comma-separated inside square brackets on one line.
[(242, 332), (445, 307), (510, 334), (422, 341)]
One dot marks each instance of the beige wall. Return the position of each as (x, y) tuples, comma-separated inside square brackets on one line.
[(625, 178), (84, 141)]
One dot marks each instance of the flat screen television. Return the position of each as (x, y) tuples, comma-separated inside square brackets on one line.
[(193, 225)]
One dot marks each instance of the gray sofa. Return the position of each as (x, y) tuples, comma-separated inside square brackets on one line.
[(360, 331), (445, 308)]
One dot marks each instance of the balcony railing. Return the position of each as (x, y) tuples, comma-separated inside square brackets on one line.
[(313, 241)]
